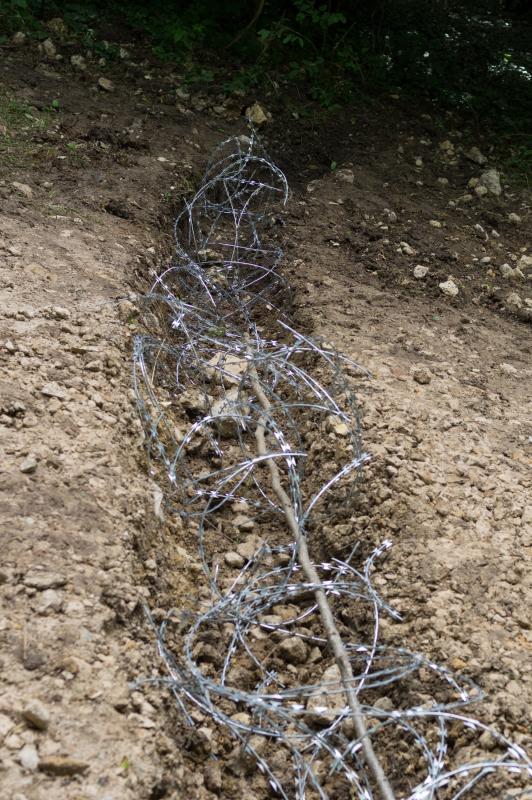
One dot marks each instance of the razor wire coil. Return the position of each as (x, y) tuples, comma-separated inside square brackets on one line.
[(215, 320)]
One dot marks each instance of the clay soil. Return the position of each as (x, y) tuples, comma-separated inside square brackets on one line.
[(89, 182)]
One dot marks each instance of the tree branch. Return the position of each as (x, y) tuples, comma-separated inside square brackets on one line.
[(331, 630)]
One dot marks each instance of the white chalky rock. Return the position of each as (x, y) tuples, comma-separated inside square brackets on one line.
[(258, 115), (449, 288)]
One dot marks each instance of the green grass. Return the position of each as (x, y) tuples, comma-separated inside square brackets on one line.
[(18, 122)]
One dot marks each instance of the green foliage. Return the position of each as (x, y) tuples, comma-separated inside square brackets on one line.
[(519, 162), (18, 15), (474, 55), (18, 121)]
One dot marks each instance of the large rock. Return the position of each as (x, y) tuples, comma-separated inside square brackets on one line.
[(491, 180)]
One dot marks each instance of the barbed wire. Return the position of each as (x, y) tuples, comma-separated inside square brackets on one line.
[(220, 364)]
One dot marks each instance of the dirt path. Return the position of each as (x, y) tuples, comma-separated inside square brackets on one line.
[(81, 192)]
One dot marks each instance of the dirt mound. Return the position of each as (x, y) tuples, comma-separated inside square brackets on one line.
[(445, 414)]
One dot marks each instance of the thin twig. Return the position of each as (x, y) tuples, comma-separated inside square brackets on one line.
[(332, 632)]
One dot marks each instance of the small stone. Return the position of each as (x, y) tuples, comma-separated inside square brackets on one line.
[(29, 464), (249, 547), (491, 179), (33, 659), (57, 26), (384, 703), (213, 777), (23, 188), (50, 600), (258, 115), (345, 175), (106, 84), (447, 146), (29, 757), (227, 368), (391, 216), (58, 312), (205, 737), (234, 560), (513, 301), (514, 274), (420, 271), (487, 740), (515, 218), (62, 765), (422, 375), (36, 714), (18, 38), (509, 369), (78, 62), (449, 288), (443, 181), (243, 523), (327, 702), (476, 156), (407, 249), (419, 162), (119, 696), (481, 191), (14, 742), (44, 580), (49, 48), (294, 650), (435, 223), (53, 390), (241, 718), (525, 262), (337, 426), (5, 725)]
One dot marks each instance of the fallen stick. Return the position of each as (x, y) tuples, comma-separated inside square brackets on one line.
[(331, 630)]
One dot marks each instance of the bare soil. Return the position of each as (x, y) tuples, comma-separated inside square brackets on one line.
[(87, 189)]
